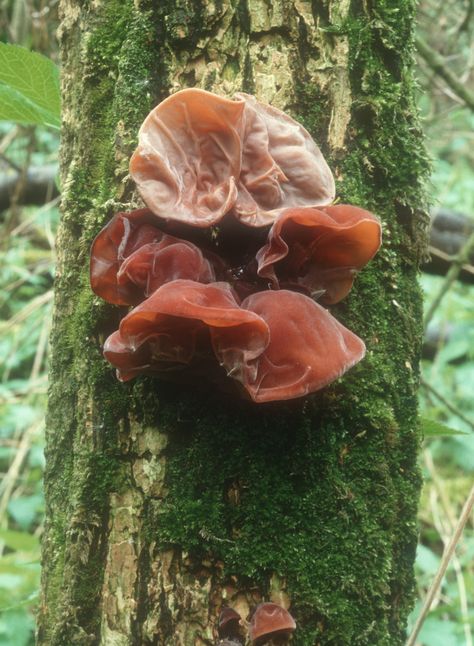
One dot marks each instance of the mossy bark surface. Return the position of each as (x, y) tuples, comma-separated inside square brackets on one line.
[(164, 503)]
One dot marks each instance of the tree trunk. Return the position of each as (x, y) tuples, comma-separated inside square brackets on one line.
[(164, 503)]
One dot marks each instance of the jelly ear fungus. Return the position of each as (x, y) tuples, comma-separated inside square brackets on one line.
[(230, 628), (320, 249), (271, 624), (205, 297)]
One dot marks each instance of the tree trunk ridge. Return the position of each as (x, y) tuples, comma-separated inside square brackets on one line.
[(164, 504)]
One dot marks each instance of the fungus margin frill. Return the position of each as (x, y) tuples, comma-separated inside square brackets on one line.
[(320, 250), (131, 257), (273, 356)]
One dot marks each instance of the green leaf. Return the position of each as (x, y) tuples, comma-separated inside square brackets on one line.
[(16, 628), (29, 87), (440, 632), (19, 541), (432, 428), (25, 509), (426, 560)]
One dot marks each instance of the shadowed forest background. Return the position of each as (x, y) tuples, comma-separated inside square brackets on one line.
[(29, 213)]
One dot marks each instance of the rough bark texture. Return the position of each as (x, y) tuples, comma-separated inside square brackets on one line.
[(163, 503)]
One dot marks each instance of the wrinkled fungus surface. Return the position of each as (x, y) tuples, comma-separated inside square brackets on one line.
[(124, 234), (188, 157), (307, 347), (320, 249), (282, 166), (200, 156), (131, 257), (238, 300)]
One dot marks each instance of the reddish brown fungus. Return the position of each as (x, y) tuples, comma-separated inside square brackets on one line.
[(278, 345), (320, 249), (161, 262), (124, 234), (268, 621), (200, 157), (131, 257), (188, 158), (229, 624), (282, 166), (165, 330), (127, 361), (307, 349)]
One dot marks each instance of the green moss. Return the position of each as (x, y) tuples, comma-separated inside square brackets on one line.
[(114, 86), (313, 112)]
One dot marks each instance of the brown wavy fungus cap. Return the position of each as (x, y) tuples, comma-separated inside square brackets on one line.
[(320, 249), (274, 356), (131, 257), (271, 621), (202, 158), (230, 625)]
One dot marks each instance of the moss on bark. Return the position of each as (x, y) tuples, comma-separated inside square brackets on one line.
[(163, 503)]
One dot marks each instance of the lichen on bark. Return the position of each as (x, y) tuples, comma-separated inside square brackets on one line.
[(164, 503)]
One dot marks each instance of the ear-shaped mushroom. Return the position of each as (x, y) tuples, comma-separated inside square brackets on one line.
[(131, 257), (230, 625), (127, 361), (121, 236), (157, 263), (282, 166), (268, 621), (320, 249), (164, 331), (307, 348), (188, 157)]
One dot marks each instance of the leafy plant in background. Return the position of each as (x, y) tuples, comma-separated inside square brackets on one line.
[(29, 94), (448, 377)]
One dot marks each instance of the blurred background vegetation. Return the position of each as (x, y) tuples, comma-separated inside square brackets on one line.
[(28, 219)]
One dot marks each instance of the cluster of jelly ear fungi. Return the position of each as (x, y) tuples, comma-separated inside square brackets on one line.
[(238, 240), (268, 623)]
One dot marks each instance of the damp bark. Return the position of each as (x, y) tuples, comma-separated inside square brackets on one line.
[(165, 502)]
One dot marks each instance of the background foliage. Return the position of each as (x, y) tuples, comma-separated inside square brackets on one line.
[(29, 141)]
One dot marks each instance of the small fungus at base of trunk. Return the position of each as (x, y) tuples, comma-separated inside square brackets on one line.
[(230, 628), (270, 623)]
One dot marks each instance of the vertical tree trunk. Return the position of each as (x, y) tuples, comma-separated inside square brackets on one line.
[(164, 503)]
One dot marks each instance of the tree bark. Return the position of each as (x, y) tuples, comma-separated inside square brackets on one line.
[(164, 503)]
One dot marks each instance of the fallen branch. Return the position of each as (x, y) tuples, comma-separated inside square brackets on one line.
[(448, 234), (39, 186), (456, 266), (438, 65)]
